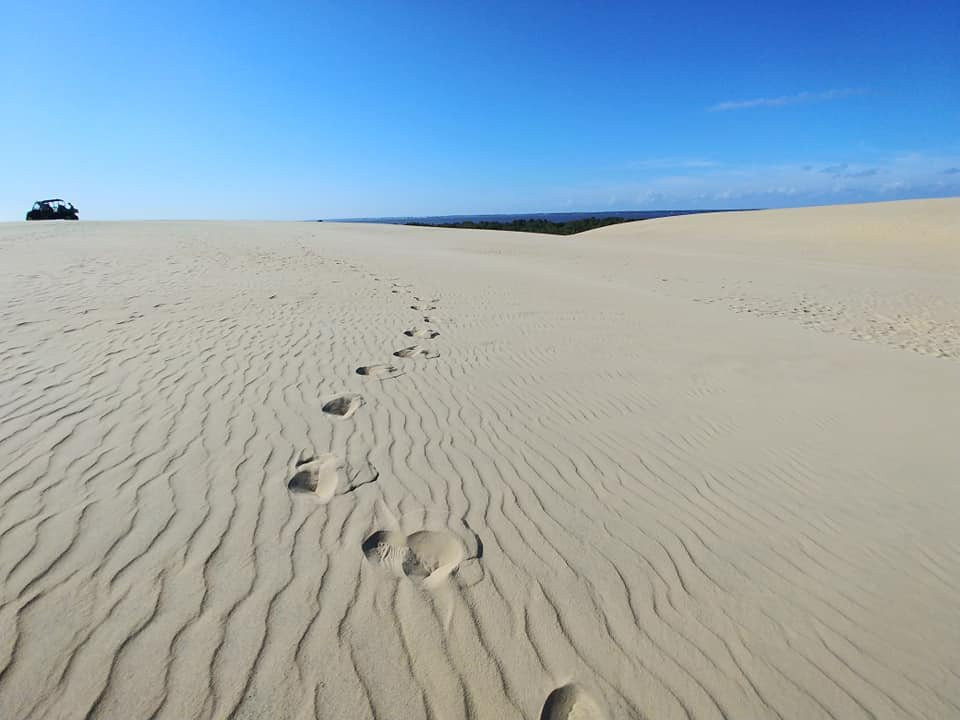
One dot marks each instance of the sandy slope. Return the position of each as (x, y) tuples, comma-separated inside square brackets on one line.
[(700, 467)]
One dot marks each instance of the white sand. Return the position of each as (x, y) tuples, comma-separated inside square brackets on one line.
[(699, 467)]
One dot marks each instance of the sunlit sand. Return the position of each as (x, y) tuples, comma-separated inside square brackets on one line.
[(697, 467)]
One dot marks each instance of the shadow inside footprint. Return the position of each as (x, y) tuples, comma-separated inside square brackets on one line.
[(381, 372), (417, 351), (316, 475), (571, 702), (423, 307), (343, 405), (426, 333), (426, 556)]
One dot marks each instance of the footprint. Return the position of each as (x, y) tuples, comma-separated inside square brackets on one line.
[(421, 333), (381, 372), (423, 307), (316, 475), (426, 556), (343, 405), (571, 702), (417, 351)]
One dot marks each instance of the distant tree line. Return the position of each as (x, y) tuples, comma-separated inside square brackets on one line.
[(533, 225)]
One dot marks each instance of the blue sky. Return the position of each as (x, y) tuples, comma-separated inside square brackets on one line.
[(301, 110)]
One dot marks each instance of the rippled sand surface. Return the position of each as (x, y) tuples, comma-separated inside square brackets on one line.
[(698, 467)]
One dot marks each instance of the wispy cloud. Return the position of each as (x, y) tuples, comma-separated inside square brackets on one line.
[(843, 170), (783, 100), (726, 185), (833, 169), (869, 172)]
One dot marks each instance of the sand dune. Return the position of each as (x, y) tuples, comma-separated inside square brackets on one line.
[(699, 467)]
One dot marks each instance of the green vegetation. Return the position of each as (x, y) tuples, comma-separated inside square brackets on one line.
[(535, 226)]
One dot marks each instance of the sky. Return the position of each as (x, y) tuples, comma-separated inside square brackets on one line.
[(298, 110)]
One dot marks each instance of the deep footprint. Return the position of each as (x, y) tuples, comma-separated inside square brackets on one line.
[(417, 351), (426, 333), (571, 702), (426, 557), (316, 475), (343, 405), (381, 372), (423, 307)]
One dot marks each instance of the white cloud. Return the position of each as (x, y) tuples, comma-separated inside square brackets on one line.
[(843, 170), (884, 177), (781, 101)]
